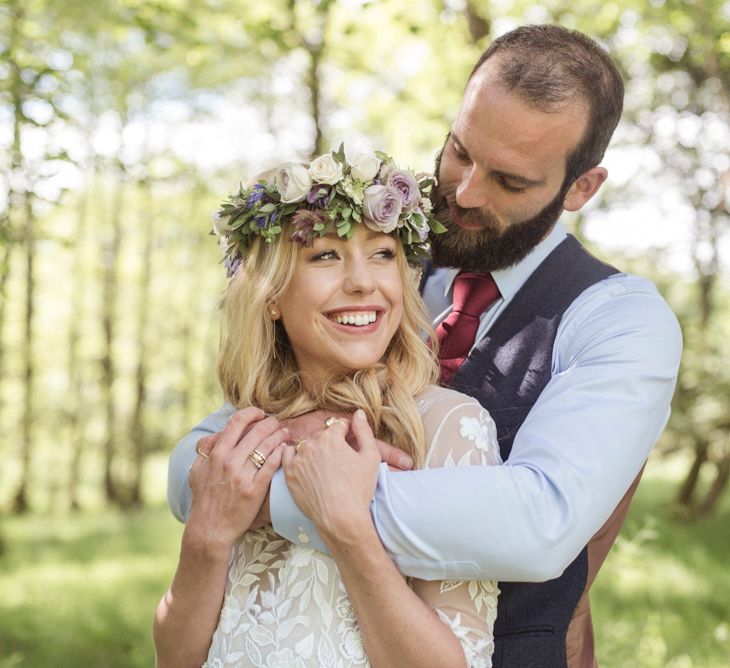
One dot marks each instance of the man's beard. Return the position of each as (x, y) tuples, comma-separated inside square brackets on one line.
[(489, 247)]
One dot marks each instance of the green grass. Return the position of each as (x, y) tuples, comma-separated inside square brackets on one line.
[(663, 597), (80, 590)]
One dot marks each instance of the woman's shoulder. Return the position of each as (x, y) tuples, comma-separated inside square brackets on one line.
[(443, 398), (459, 430)]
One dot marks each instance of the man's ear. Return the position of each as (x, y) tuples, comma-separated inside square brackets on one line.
[(584, 187)]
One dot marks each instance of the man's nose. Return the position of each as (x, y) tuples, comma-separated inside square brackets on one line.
[(471, 193)]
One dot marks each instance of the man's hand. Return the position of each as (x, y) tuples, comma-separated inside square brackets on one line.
[(306, 426)]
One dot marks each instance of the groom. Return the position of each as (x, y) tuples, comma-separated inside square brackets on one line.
[(575, 361)]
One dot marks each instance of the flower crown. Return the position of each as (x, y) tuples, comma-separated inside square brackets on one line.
[(330, 195)]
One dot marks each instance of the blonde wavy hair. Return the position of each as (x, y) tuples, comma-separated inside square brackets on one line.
[(257, 367)]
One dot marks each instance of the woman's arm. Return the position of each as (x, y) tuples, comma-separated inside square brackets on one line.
[(333, 485), (228, 491)]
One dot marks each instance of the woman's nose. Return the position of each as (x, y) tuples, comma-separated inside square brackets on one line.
[(359, 278)]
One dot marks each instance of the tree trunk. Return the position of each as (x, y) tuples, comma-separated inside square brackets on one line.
[(20, 503), (4, 274), (315, 44), (76, 417), (315, 56), (686, 492), (716, 488), (478, 25), (137, 429), (109, 253)]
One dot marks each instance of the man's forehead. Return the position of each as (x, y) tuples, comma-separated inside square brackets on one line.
[(495, 121)]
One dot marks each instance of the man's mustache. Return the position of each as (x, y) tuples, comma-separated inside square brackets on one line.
[(446, 203)]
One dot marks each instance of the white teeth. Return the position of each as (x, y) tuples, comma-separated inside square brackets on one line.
[(358, 319)]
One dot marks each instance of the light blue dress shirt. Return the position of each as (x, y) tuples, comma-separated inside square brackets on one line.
[(614, 368)]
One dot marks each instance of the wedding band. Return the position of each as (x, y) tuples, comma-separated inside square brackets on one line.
[(300, 442), (257, 458), (200, 452), (328, 422)]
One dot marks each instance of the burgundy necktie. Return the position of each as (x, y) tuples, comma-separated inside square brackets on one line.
[(473, 294)]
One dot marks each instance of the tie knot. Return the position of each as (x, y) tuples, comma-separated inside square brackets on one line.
[(474, 292)]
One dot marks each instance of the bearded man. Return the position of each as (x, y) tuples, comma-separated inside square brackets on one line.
[(575, 361)]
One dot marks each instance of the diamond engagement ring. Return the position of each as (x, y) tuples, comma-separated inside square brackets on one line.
[(328, 422)]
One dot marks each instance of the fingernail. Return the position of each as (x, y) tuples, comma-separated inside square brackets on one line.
[(360, 414), (405, 462)]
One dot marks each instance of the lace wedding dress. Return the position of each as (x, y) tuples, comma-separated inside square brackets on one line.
[(285, 605)]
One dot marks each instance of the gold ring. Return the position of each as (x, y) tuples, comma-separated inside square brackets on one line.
[(257, 458), (299, 443), (328, 422), (200, 452)]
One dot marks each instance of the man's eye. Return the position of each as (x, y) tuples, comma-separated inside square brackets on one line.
[(509, 187), (459, 152)]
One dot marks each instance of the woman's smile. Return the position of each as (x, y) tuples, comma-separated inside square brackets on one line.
[(361, 320)]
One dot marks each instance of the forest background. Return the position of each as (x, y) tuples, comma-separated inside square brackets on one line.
[(123, 123)]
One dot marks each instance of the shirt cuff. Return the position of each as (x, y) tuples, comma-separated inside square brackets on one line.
[(288, 520)]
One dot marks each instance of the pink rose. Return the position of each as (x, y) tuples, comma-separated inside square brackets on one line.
[(382, 206), (405, 183)]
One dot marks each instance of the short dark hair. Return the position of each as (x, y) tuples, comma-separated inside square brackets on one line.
[(550, 66)]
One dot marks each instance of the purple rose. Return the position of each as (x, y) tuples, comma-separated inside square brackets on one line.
[(382, 206), (303, 222), (405, 183)]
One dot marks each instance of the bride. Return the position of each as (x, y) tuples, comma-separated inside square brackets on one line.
[(322, 312)]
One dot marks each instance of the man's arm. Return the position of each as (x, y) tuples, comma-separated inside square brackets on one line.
[(183, 456), (581, 446)]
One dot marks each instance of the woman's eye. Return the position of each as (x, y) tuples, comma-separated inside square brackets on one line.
[(325, 255), (385, 253)]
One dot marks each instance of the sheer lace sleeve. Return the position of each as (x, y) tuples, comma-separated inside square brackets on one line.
[(459, 432)]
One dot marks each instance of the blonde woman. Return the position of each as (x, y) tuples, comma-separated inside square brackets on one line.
[(322, 313)]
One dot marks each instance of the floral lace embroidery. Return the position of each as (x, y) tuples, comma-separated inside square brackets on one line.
[(285, 605)]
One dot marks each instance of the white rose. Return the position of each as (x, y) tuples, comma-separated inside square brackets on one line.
[(364, 167), (325, 169), (220, 225), (426, 205), (293, 182)]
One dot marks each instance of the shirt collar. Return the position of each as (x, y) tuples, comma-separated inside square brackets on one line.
[(511, 279)]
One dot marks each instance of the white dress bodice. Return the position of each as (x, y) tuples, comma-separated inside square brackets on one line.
[(285, 605)]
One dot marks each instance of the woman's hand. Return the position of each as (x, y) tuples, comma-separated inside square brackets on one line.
[(228, 488), (306, 425), (333, 483)]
